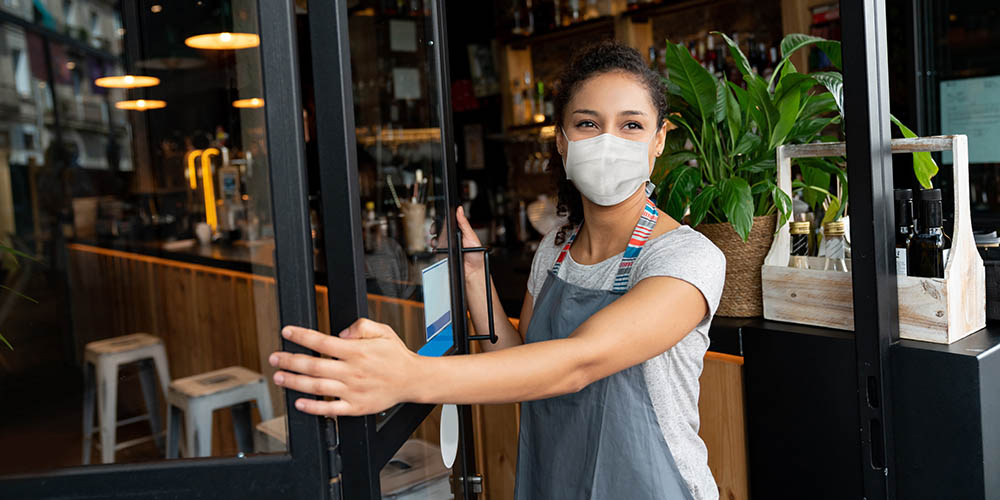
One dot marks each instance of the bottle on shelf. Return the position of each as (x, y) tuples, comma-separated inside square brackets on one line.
[(835, 247), (528, 111), (904, 228), (800, 244), (927, 247), (591, 11)]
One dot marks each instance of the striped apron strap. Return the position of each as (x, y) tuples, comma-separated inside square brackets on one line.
[(643, 229)]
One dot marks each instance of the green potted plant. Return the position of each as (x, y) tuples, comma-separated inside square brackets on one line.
[(731, 193)]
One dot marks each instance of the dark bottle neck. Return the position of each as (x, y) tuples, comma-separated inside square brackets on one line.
[(904, 213), (930, 216)]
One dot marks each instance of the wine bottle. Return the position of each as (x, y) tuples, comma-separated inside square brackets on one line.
[(904, 228), (926, 254)]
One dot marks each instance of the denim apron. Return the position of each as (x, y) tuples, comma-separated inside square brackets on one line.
[(603, 442)]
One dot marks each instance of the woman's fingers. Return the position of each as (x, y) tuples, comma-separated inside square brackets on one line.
[(469, 237), (308, 365), (326, 408), (319, 342), (310, 385)]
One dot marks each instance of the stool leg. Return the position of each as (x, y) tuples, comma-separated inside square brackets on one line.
[(242, 427), (173, 430), (147, 377), (89, 390), (198, 427), (162, 370), (107, 408), (264, 403)]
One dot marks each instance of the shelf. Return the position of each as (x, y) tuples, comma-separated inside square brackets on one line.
[(605, 23)]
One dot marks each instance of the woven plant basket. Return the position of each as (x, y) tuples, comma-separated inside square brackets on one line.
[(741, 295)]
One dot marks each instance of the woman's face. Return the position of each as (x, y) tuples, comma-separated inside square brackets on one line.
[(612, 103)]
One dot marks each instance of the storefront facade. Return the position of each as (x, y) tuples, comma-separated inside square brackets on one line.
[(178, 180)]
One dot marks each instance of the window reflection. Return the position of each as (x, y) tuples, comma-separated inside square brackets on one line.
[(135, 224)]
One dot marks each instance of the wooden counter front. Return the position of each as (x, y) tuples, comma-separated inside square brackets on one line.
[(211, 318)]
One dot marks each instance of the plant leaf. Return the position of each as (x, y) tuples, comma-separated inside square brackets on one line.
[(696, 84), (758, 166), (733, 113), (818, 104), (834, 82), (19, 294), (17, 253), (667, 163), (783, 203), (748, 143), (788, 113), (701, 204), (924, 166), (2, 339), (806, 129), (832, 211), (762, 109), (741, 60), (737, 204), (813, 176), (832, 50), (675, 140), (679, 187), (720, 101)]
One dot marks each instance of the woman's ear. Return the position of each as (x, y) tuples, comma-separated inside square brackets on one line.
[(661, 138), (561, 143)]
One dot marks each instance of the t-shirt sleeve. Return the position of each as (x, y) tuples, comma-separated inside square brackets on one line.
[(690, 257), (545, 256)]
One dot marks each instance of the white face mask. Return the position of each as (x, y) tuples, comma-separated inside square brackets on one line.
[(607, 169)]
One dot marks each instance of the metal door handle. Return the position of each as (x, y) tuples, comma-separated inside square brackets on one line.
[(492, 337)]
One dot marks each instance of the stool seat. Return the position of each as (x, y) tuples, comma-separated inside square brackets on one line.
[(122, 344), (214, 382), (198, 396), (102, 361)]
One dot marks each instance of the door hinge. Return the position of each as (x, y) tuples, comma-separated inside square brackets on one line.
[(474, 482), (333, 454)]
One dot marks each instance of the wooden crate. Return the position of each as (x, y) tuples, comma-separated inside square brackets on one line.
[(930, 309)]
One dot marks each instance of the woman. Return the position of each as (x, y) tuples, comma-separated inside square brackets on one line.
[(614, 326)]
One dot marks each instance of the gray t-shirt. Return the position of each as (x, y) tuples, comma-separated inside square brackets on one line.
[(672, 377)]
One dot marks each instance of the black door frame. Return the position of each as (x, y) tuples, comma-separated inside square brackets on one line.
[(364, 447), (304, 471), (869, 172)]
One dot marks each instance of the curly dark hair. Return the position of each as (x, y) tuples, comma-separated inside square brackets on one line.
[(607, 56)]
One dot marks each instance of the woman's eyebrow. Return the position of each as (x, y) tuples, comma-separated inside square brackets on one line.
[(586, 112), (632, 112)]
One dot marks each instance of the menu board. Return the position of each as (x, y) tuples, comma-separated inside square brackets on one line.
[(971, 106)]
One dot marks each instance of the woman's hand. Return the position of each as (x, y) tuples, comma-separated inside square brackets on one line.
[(372, 370), (473, 261)]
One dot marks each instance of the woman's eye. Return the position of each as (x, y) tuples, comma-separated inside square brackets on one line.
[(586, 124), (633, 126)]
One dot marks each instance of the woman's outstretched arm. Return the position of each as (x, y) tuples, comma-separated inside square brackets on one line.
[(374, 370)]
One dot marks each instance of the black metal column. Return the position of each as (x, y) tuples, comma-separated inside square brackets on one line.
[(331, 57), (869, 168)]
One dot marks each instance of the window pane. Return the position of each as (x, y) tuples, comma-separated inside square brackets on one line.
[(138, 249)]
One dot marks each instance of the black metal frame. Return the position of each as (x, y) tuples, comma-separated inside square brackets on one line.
[(869, 170), (365, 447), (302, 472)]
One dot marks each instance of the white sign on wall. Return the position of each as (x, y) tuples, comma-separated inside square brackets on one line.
[(971, 106)]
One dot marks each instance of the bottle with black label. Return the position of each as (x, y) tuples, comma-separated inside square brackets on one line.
[(904, 228), (926, 254), (800, 232)]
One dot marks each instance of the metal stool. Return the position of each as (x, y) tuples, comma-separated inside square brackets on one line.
[(102, 360), (199, 395)]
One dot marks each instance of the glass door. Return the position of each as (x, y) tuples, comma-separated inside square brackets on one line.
[(385, 157), (154, 234)]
